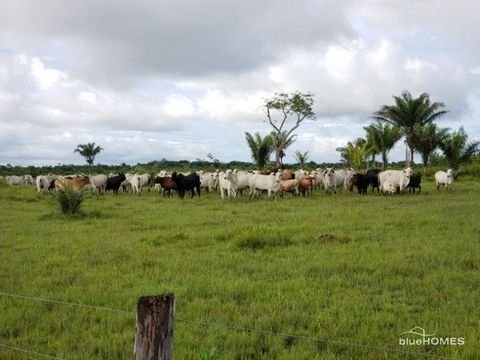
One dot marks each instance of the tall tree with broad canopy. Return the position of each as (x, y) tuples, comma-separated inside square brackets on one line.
[(382, 138), (260, 147), (88, 151), (410, 114), (456, 149), (297, 106)]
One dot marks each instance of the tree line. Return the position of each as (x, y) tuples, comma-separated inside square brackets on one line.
[(414, 120), (410, 118)]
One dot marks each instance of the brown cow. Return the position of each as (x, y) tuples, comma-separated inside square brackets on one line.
[(306, 185), (77, 183), (166, 183), (287, 175), (288, 186)]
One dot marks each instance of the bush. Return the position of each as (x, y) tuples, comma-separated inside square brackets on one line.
[(69, 200)]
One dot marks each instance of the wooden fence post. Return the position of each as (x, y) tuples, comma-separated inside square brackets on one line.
[(155, 316)]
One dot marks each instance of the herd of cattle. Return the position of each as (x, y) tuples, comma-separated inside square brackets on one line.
[(230, 183)]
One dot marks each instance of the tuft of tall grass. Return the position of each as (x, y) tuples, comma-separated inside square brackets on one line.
[(69, 200)]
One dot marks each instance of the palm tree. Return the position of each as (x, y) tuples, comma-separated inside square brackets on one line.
[(426, 139), (301, 158), (456, 150), (409, 113), (382, 138), (261, 148), (88, 151), (355, 153), (372, 152)]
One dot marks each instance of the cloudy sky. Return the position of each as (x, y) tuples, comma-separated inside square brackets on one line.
[(173, 79)]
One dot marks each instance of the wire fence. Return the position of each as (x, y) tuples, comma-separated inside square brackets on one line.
[(29, 353), (210, 324)]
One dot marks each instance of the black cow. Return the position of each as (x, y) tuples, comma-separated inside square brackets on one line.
[(51, 186), (361, 181), (190, 182), (114, 182), (372, 176), (415, 180)]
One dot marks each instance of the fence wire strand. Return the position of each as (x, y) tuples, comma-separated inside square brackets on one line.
[(59, 302), (29, 352), (308, 338), (225, 326)]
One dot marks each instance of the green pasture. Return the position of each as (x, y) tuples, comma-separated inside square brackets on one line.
[(352, 272)]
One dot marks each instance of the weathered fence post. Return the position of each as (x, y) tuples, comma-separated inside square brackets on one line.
[(155, 316)]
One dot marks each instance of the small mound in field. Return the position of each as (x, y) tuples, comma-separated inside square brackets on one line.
[(332, 238), (257, 239)]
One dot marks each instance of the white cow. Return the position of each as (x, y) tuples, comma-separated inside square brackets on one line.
[(348, 174), (443, 178), (317, 178), (216, 178), (388, 187), (164, 173), (15, 180), (28, 180), (135, 181), (126, 185), (300, 174), (145, 181), (207, 181), (399, 178), (98, 182), (227, 184), (242, 180), (43, 182), (231, 182), (333, 179), (269, 183)]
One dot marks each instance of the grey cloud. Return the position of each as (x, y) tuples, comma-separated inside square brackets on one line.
[(116, 41)]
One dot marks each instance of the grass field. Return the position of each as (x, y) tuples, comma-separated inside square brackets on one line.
[(350, 269)]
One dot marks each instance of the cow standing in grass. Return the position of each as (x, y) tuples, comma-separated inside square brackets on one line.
[(415, 183), (190, 182), (113, 183), (372, 178), (77, 183), (443, 178), (99, 182), (166, 183), (259, 183), (399, 178), (361, 181)]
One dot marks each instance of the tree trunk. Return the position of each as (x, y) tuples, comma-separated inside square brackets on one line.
[(385, 160), (278, 158), (425, 162)]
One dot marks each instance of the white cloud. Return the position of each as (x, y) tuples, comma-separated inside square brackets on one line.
[(88, 97), (380, 53), (177, 105), (45, 77), (339, 61)]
